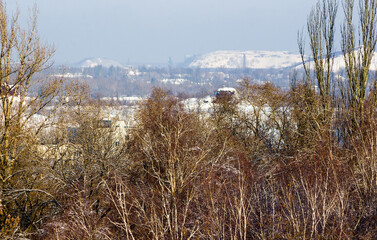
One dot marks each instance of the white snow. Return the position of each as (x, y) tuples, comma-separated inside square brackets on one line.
[(340, 65), (131, 99), (204, 105), (175, 81), (73, 75), (226, 89), (251, 59), (133, 72), (94, 62)]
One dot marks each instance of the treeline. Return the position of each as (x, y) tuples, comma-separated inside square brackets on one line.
[(271, 170)]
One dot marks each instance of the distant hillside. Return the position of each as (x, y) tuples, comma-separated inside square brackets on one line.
[(94, 62), (339, 64), (247, 59)]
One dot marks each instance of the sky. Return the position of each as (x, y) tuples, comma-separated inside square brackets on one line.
[(152, 31)]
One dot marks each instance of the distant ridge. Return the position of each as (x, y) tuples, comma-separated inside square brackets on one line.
[(94, 62), (340, 65), (247, 59)]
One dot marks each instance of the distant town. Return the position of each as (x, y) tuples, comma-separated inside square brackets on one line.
[(196, 76)]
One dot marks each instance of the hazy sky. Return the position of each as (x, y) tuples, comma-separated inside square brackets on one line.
[(151, 31)]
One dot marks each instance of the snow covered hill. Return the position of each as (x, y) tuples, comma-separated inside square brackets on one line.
[(94, 62), (339, 64), (247, 59)]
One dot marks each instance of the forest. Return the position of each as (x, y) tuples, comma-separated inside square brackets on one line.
[(265, 163)]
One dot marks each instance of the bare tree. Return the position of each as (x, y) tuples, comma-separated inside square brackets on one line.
[(358, 59), (23, 58), (321, 31)]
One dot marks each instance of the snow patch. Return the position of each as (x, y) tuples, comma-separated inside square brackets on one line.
[(73, 75), (175, 81), (94, 62)]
